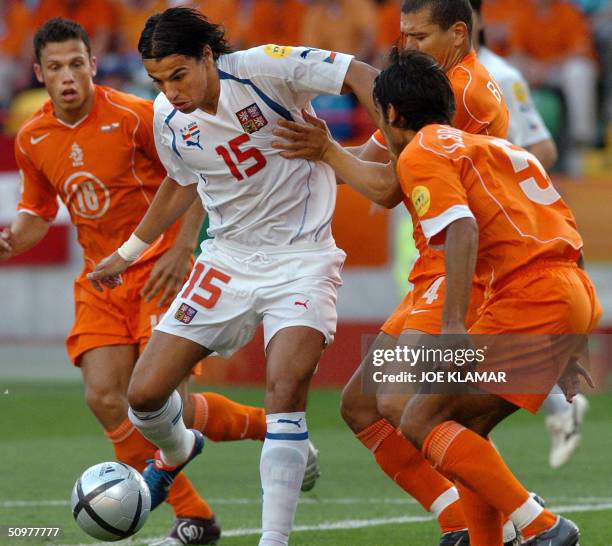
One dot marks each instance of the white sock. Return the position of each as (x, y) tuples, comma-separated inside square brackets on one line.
[(450, 496), (556, 403), (166, 429), (283, 462), (509, 531), (525, 513)]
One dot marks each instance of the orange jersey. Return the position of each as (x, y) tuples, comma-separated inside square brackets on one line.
[(450, 174), (481, 108), (104, 168)]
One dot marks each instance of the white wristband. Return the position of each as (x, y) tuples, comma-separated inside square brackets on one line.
[(132, 248)]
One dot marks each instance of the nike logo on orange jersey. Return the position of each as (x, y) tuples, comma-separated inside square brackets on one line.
[(36, 140), (416, 311)]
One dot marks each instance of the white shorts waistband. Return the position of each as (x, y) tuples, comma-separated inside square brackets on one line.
[(232, 247)]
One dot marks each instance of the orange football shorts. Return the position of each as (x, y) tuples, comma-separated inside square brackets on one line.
[(421, 309), (113, 317), (546, 298)]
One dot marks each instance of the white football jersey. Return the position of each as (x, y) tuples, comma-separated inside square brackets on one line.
[(252, 195), (526, 125)]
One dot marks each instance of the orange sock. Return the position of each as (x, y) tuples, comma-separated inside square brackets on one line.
[(133, 449), (223, 420), (485, 523), (470, 459), (405, 465), (185, 501)]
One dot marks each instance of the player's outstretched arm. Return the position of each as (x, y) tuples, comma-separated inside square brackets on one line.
[(313, 141), (25, 233), (359, 79), (170, 203), (170, 270), (460, 249), (369, 151)]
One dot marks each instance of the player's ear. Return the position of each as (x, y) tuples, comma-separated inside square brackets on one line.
[(38, 73), (392, 114), (460, 33), (94, 65), (207, 55)]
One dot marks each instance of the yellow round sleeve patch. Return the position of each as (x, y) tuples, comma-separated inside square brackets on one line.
[(520, 92), (277, 51), (421, 199)]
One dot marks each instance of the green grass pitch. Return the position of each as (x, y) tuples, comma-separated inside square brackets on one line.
[(48, 438)]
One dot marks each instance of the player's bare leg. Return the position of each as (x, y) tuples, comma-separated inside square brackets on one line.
[(161, 368), (360, 410), (452, 430), (374, 420), (292, 356), (392, 398), (106, 374), (156, 408)]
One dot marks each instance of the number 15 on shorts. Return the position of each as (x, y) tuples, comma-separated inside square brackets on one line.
[(205, 293)]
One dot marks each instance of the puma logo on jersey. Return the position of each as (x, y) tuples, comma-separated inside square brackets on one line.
[(307, 52), (36, 140), (191, 135), (302, 303)]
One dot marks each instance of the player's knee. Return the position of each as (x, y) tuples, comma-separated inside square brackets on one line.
[(414, 429), (391, 408), (142, 398), (286, 394), (105, 402), (357, 410)]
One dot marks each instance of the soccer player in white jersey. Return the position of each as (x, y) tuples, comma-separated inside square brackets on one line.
[(528, 130), (273, 258)]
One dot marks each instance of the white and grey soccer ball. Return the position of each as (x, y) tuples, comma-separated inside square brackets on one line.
[(110, 501)]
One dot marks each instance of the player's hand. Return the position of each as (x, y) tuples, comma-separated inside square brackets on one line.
[(310, 140), (569, 382), (108, 272), (6, 244), (168, 275)]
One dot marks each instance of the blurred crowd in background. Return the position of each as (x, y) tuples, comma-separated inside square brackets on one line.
[(563, 48)]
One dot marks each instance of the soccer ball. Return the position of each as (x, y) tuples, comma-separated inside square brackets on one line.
[(110, 501)]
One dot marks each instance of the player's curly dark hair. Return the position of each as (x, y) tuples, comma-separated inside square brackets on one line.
[(418, 88), (444, 13), (181, 31), (60, 30)]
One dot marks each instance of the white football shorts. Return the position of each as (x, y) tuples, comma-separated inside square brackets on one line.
[(232, 289)]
